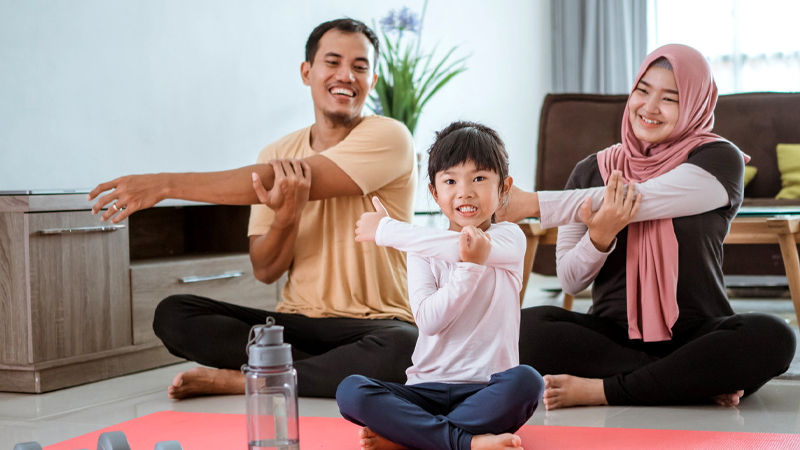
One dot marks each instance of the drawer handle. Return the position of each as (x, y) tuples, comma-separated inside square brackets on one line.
[(98, 229), (221, 276)]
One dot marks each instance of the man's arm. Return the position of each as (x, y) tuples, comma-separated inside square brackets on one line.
[(272, 253), (230, 187)]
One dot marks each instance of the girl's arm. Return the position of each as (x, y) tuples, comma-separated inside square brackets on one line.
[(435, 308), (507, 252)]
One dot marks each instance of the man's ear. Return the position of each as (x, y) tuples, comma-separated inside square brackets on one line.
[(433, 192), (374, 81), (305, 68)]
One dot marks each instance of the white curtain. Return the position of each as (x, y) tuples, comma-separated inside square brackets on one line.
[(598, 45)]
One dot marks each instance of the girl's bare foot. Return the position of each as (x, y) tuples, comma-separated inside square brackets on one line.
[(206, 381), (562, 391), (371, 440), (505, 441), (729, 399)]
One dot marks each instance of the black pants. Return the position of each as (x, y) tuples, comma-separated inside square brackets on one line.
[(705, 358), (325, 350)]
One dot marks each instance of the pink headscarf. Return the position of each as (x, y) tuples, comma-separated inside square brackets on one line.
[(652, 253)]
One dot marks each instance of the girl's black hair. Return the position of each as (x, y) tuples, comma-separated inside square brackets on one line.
[(464, 141)]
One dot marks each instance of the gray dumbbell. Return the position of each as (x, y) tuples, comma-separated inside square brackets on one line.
[(28, 446), (113, 440), (169, 445)]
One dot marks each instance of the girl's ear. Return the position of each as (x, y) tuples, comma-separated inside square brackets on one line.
[(507, 183), (432, 189)]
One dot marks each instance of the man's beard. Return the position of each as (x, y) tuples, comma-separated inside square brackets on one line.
[(340, 119)]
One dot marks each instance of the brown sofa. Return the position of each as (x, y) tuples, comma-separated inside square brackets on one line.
[(573, 126)]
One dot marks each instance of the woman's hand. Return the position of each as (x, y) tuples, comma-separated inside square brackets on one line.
[(617, 211), (474, 245), (367, 226), (289, 194)]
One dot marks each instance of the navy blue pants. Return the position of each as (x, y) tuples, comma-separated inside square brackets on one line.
[(441, 416)]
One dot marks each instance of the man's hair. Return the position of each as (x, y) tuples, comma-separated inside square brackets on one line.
[(463, 141), (345, 26)]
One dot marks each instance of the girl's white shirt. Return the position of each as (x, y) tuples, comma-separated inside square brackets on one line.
[(467, 314)]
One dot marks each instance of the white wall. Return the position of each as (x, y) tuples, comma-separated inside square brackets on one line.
[(93, 89)]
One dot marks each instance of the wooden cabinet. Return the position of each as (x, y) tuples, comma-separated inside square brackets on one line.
[(77, 295)]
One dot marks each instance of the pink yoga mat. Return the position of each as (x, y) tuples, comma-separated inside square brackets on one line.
[(203, 431)]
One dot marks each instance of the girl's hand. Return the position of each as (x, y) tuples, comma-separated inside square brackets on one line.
[(474, 245), (367, 226), (617, 211)]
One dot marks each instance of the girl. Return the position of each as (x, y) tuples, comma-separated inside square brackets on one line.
[(661, 330), (465, 389)]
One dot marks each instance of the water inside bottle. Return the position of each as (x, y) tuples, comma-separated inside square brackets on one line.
[(274, 444)]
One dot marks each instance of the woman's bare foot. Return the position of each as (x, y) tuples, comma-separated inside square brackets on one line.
[(371, 440), (505, 441), (729, 399), (206, 381), (562, 391)]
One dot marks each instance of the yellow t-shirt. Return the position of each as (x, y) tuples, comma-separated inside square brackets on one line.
[(331, 274)]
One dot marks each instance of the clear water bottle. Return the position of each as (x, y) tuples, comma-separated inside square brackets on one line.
[(271, 390)]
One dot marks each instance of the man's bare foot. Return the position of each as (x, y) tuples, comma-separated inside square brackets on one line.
[(206, 381), (562, 391), (371, 440), (729, 400), (505, 441)]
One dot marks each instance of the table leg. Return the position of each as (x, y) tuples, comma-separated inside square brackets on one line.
[(527, 265), (791, 264)]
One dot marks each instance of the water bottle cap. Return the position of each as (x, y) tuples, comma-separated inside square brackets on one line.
[(266, 348)]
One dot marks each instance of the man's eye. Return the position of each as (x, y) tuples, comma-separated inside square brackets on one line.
[(362, 68), (332, 63)]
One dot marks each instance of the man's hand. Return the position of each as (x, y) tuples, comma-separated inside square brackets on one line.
[(367, 226), (474, 245), (129, 194), (617, 211), (289, 194)]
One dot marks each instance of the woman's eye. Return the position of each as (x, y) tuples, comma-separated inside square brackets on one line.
[(642, 90), (671, 100)]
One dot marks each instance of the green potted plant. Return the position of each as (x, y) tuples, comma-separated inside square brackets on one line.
[(409, 77)]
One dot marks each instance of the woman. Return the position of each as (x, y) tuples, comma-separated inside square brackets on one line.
[(660, 330)]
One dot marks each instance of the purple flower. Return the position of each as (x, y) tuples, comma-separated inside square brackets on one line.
[(403, 20)]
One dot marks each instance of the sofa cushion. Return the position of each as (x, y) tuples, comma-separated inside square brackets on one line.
[(789, 166)]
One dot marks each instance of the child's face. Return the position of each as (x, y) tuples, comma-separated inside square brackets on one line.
[(468, 196)]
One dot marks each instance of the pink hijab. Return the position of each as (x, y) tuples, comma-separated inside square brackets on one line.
[(652, 253)]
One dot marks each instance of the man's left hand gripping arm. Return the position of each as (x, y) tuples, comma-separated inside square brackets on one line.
[(272, 253)]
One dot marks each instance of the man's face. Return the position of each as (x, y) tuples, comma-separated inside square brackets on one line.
[(342, 75)]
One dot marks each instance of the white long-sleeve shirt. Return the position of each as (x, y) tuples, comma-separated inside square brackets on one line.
[(684, 191), (467, 314)]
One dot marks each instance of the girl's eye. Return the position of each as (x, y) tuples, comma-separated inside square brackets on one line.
[(479, 179), (449, 181)]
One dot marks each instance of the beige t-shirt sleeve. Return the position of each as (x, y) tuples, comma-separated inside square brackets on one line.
[(377, 152)]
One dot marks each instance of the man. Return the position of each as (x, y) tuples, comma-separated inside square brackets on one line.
[(345, 305)]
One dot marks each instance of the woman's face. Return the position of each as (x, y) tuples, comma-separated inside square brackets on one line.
[(653, 105)]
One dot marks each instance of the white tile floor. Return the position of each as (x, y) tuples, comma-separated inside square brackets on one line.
[(56, 416)]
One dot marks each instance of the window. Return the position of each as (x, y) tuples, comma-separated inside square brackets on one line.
[(752, 45)]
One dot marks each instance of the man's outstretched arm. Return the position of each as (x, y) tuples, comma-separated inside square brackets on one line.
[(133, 193)]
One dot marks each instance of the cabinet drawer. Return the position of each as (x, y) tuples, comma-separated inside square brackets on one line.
[(226, 278), (79, 286)]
